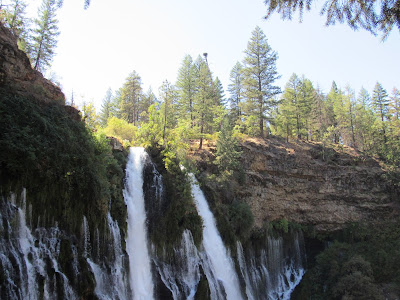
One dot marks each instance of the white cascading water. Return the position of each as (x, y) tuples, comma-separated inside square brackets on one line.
[(272, 275), (136, 242), (113, 284), (216, 260), (27, 257), (183, 277), (119, 280)]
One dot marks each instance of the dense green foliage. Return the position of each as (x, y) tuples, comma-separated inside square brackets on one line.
[(67, 171), (369, 124), (180, 212), (356, 265)]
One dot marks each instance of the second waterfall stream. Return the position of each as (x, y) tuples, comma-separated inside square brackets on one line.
[(267, 275), (221, 264)]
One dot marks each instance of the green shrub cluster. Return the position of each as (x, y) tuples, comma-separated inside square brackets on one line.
[(181, 212), (67, 171), (356, 267)]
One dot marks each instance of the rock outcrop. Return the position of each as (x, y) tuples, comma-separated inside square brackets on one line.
[(17, 74), (307, 184)]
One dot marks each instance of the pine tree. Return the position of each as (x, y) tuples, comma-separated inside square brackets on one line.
[(334, 101), (44, 36), (15, 18), (364, 120), (236, 89), (394, 106), (204, 105), (380, 106), (357, 13), (260, 73), (290, 107), (219, 92), (130, 98), (186, 85), (350, 127), (148, 99), (393, 154), (306, 95), (228, 151), (107, 108), (380, 101), (168, 96), (295, 108)]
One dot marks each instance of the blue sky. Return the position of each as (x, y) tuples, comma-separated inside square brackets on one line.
[(99, 47)]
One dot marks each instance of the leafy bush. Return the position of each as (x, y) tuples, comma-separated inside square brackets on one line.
[(67, 172), (180, 213), (355, 268), (121, 129)]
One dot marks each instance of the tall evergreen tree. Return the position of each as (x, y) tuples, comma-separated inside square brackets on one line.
[(380, 101), (318, 120), (44, 35), (395, 104), (219, 92), (168, 96), (15, 18), (350, 126), (186, 85), (130, 98), (306, 94), (364, 121), (364, 98), (295, 108), (260, 74), (204, 99), (106, 108), (236, 89), (149, 98), (380, 106), (334, 101), (228, 152)]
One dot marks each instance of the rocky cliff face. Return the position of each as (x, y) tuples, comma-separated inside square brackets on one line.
[(307, 184), (17, 74)]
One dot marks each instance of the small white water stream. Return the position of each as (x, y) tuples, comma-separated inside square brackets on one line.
[(221, 264)]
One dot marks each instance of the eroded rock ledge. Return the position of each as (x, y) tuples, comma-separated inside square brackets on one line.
[(307, 184), (17, 74)]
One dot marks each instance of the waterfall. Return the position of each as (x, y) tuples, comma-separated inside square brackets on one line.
[(217, 263), (33, 262), (275, 271), (183, 276), (29, 260), (86, 237), (118, 274), (110, 284), (136, 243)]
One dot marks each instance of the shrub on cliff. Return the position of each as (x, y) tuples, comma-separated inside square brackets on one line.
[(67, 172)]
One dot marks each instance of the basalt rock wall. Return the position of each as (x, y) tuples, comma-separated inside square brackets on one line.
[(309, 184)]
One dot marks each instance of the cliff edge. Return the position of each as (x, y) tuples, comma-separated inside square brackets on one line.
[(306, 183), (17, 75)]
